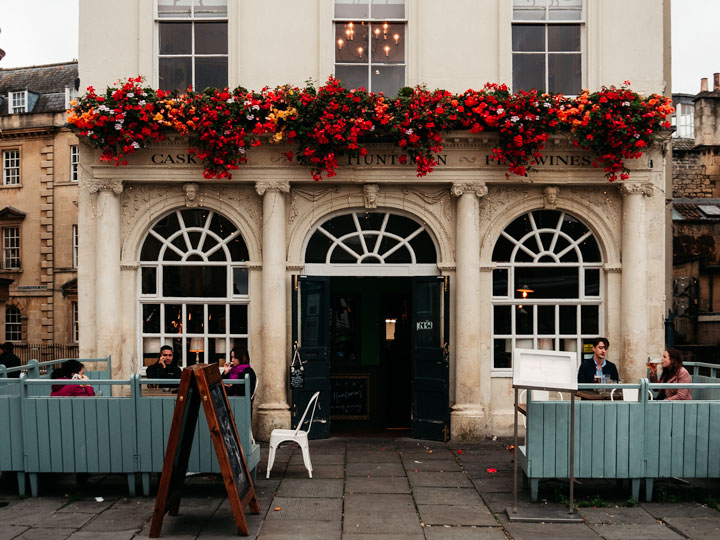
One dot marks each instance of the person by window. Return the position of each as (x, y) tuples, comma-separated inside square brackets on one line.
[(71, 370), (593, 369), (673, 371), (237, 368), (8, 358), (165, 367)]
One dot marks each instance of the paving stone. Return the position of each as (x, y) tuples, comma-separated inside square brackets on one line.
[(443, 514), (680, 510), (90, 506), (427, 455), (549, 531), (631, 531), (29, 511), (498, 502), (495, 484), (56, 533), (300, 530), (372, 456), (95, 535), (464, 533), (696, 528), (319, 471), (57, 520), (8, 532), (616, 516), (375, 469), (319, 459), (126, 515), (309, 508), (360, 536), (310, 487), (222, 525), (438, 465), (439, 479), (461, 496), (362, 484), (380, 514)]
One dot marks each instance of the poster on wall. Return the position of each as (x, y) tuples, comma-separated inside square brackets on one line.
[(556, 370)]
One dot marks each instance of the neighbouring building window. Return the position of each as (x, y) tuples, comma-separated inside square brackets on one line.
[(13, 324), (370, 44), (547, 286), (75, 245), (193, 287), (18, 101), (74, 163), (684, 120), (75, 326), (547, 45), (71, 94), (11, 167), (11, 248), (192, 44)]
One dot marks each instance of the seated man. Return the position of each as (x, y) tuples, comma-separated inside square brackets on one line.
[(598, 364), (8, 358), (165, 368)]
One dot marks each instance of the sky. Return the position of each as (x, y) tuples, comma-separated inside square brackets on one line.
[(34, 32)]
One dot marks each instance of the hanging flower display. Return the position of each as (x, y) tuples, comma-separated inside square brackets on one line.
[(329, 122)]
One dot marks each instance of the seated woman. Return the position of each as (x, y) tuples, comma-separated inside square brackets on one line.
[(74, 370), (672, 372), (237, 370)]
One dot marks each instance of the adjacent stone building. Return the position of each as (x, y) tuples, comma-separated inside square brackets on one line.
[(38, 205)]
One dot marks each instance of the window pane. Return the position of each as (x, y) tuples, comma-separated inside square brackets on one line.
[(547, 282), (195, 281), (528, 37), (211, 38), (388, 79), (424, 248), (238, 320), (590, 250), (173, 319), (565, 10), (387, 9), (217, 323), (565, 73), (528, 72), (195, 318), (175, 73), (590, 319), (317, 248), (592, 282), (210, 8), (352, 77), (149, 280), (388, 43), (176, 38), (173, 8), (151, 318), (351, 43), (240, 280), (524, 320), (211, 72), (350, 9), (500, 282), (529, 10), (564, 37), (501, 353), (238, 249), (546, 319), (503, 250), (501, 320), (568, 319)]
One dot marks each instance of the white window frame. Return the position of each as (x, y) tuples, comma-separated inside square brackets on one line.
[(191, 19), (536, 340), (371, 22), (75, 328), (71, 93), (547, 22), (75, 246), (18, 102), (684, 121), (13, 323), (11, 248), (157, 298), (11, 167), (74, 163)]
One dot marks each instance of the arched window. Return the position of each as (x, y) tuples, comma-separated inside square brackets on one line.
[(547, 286), (390, 243), (13, 324), (193, 287)]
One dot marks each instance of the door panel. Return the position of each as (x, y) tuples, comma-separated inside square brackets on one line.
[(311, 325), (430, 386)]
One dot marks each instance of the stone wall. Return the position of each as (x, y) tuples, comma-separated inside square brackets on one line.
[(690, 178)]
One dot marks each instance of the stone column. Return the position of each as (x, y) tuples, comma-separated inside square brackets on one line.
[(468, 416), (87, 231), (108, 289), (273, 412), (633, 299)]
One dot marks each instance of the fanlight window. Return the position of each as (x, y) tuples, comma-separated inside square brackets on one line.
[(547, 287), (193, 287), (374, 238)]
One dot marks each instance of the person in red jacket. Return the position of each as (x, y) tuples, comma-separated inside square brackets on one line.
[(672, 372), (74, 370)]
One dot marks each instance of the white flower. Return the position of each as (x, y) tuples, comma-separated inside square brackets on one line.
[(500, 110), (90, 132), (547, 105), (142, 102), (230, 100), (250, 116), (247, 103), (256, 107), (537, 118), (130, 94), (514, 118), (135, 145), (626, 103), (372, 128), (409, 131), (118, 126)]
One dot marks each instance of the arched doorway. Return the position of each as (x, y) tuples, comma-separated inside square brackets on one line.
[(369, 318)]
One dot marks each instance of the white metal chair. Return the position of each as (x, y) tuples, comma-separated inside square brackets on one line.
[(630, 394), (297, 435), (537, 395)]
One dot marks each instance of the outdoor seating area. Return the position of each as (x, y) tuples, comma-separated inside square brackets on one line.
[(119, 434), (635, 438)]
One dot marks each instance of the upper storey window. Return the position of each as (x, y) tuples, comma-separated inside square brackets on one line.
[(192, 44), (370, 44), (547, 38), (18, 102)]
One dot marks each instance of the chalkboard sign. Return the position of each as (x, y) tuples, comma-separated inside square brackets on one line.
[(350, 397), (202, 383)]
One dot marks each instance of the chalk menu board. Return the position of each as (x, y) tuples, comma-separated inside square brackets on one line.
[(350, 397), (202, 383)]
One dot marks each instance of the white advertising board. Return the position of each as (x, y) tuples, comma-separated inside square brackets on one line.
[(554, 370)]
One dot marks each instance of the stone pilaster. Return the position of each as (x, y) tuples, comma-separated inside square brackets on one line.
[(468, 417), (47, 247), (633, 297), (273, 411)]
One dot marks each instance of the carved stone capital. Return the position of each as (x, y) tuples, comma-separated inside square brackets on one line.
[(370, 194), (279, 186), (550, 197), (116, 186), (479, 188), (191, 194), (635, 188)]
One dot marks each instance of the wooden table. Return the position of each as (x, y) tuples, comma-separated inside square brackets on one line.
[(593, 395)]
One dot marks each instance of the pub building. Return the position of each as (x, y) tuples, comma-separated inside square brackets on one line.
[(405, 296)]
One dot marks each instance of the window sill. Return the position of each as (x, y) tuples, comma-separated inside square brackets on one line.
[(501, 374), (11, 186)]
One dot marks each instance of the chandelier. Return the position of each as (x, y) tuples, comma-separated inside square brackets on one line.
[(383, 40)]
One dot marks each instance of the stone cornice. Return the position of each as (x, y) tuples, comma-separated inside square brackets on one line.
[(279, 186), (478, 188)]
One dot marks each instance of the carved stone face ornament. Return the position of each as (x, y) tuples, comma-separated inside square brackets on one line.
[(191, 190), (550, 197), (370, 194)]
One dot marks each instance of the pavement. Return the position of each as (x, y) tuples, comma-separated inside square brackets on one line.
[(364, 489)]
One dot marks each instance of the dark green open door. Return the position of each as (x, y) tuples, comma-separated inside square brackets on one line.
[(311, 332), (430, 397)]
